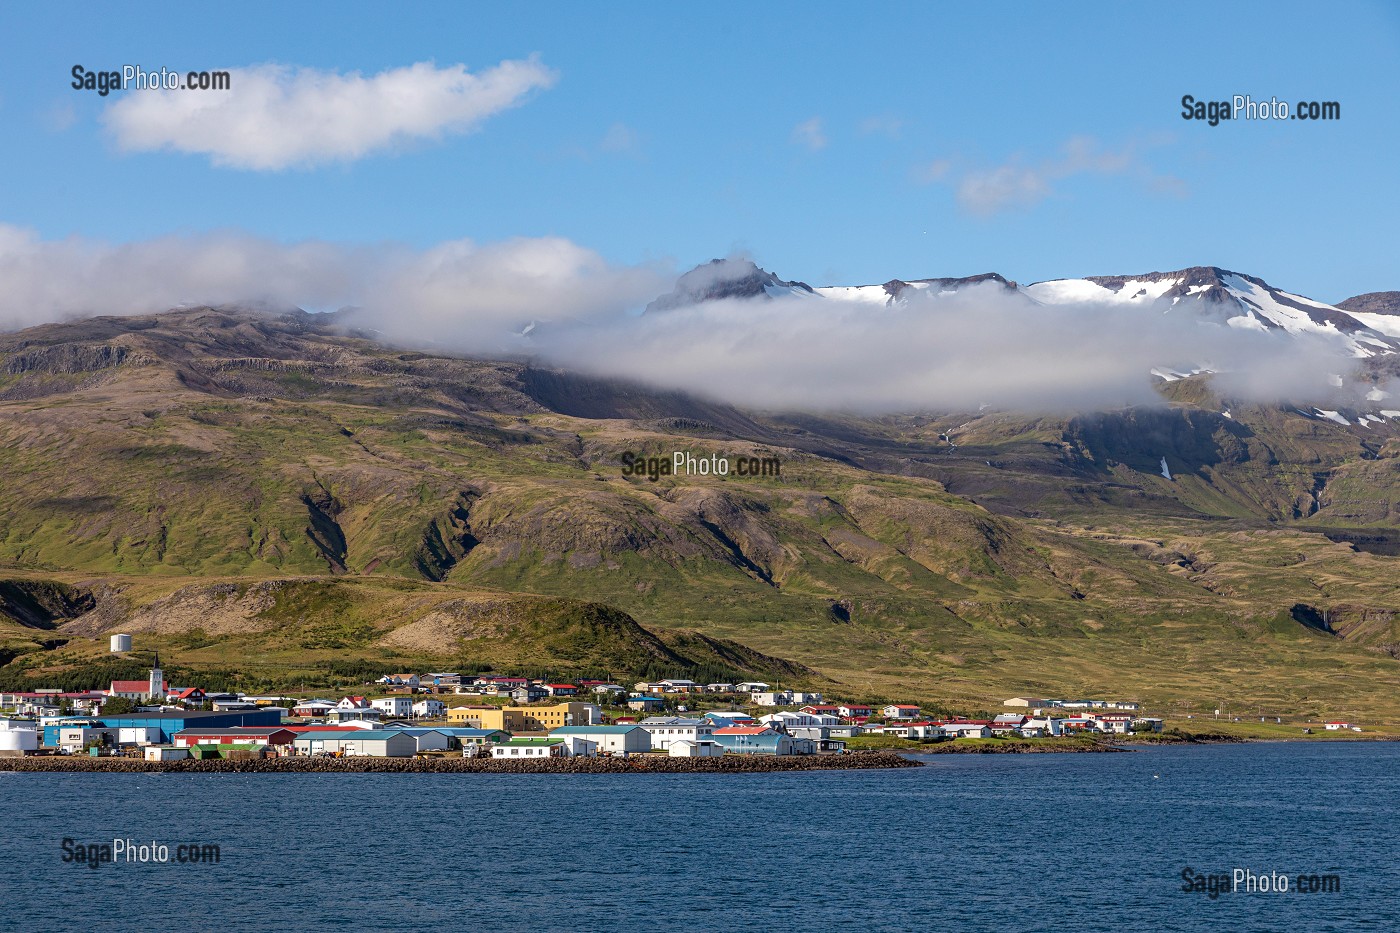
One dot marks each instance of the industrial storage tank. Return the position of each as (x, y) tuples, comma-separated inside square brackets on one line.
[(18, 740), (121, 643)]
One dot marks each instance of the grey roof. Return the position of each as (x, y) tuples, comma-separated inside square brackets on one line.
[(358, 734)]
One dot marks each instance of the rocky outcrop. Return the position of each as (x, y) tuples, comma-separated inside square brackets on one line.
[(724, 278), (70, 358), (42, 604), (1373, 303)]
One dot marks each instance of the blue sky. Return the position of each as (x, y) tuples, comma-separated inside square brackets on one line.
[(835, 143)]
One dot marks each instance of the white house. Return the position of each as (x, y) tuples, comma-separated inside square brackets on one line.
[(664, 730), (543, 747), (1115, 723), (400, 707), (967, 730), (1336, 725), (785, 720), (772, 698), (611, 740), (684, 748), (750, 687), (1042, 725), (429, 709), (926, 730), (353, 703), (900, 711)]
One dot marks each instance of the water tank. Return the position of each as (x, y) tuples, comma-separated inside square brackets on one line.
[(19, 740), (121, 643)]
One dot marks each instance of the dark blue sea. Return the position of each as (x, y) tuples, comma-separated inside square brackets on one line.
[(969, 842)]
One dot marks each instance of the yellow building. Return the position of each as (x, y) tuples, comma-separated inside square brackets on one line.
[(520, 718)]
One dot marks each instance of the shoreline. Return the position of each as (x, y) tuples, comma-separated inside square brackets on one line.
[(637, 764), (1017, 747), (1074, 747)]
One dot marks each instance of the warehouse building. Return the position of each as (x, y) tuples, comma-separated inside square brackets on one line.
[(362, 743), (163, 726), (611, 740)]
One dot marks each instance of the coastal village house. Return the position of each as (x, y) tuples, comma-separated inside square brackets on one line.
[(531, 748), (664, 730), (429, 709), (610, 740), (524, 718), (395, 707)]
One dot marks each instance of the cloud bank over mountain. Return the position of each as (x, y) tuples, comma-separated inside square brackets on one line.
[(786, 346)]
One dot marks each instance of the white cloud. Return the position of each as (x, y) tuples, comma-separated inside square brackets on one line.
[(467, 295), (941, 352), (884, 125), (809, 133), (988, 191), (275, 116), (619, 138), (930, 172), (1019, 185)]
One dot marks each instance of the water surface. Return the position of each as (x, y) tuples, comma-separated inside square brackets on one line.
[(969, 842)]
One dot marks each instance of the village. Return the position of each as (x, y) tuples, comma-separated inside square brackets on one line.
[(449, 714)]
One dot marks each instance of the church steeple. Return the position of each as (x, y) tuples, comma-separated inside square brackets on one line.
[(155, 688)]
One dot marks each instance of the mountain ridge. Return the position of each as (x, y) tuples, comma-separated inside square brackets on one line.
[(1235, 299)]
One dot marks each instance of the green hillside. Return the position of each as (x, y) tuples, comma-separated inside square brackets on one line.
[(268, 493)]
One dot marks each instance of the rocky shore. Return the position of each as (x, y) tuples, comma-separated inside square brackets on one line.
[(1181, 737), (1017, 747), (637, 764)]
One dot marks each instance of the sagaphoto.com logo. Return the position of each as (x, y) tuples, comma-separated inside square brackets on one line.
[(134, 77), (94, 855), (1242, 107)]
